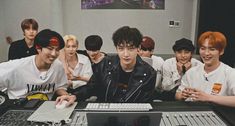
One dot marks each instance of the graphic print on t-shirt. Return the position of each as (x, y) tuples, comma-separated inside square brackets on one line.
[(45, 88), (216, 88)]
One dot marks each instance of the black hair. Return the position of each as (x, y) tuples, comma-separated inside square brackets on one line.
[(126, 34), (25, 24), (43, 38), (183, 44), (93, 42), (145, 49)]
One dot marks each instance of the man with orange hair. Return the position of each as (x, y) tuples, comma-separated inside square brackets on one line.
[(212, 82)]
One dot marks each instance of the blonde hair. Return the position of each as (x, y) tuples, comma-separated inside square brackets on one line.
[(70, 37)]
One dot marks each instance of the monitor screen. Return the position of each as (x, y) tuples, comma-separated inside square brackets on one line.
[(124, 118)]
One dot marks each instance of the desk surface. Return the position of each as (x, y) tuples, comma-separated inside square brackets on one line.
[(226, 113)]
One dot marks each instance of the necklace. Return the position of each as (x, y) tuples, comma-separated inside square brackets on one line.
[(43, 75)]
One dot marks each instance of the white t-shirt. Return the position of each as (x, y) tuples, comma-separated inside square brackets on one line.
[(83, 68), (21, 77), (157, 65), (221, 81), (171, 76)]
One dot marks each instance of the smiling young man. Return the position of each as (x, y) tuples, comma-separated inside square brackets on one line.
[(214, 81), (93, 44), (38, 76), (124, 77), (147, 50), (174, 68), (25, 47), (77, 66)]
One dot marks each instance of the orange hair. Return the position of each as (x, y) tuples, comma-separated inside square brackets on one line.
[(216, 39)]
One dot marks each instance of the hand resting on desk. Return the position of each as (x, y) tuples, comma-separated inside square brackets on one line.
[(70, 99), (62, 105)]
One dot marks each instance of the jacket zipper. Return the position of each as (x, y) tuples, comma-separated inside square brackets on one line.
[(133, 92), (137, 96), (106, 94)]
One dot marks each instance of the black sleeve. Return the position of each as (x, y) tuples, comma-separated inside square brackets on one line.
[(94, 86), (148, 89), (12, 53), (86, 91)]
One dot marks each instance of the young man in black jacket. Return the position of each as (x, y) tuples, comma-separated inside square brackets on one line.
[(124, 77), (24, 47)]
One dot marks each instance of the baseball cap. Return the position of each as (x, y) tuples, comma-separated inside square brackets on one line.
[(48, 37), (183, 44)]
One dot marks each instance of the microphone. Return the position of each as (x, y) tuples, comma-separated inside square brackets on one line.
[(183, 69), (206, 78)]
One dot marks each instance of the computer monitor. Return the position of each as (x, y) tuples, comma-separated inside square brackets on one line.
[(124, 118)]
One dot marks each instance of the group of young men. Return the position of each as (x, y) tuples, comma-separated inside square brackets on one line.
[(124, 77)]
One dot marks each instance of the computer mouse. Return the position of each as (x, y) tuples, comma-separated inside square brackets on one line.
[(62, 105)]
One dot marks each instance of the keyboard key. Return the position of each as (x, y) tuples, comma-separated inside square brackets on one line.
[(15, 118), (118, 106)]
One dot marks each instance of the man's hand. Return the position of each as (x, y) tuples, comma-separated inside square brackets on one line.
[(70, 98), (70, 83), (182, 68), (188, 65), (179, 67), (186, 93), (198, 95), (69, 73)]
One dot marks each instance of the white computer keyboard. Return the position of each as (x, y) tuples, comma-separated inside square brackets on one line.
[(118, 107)]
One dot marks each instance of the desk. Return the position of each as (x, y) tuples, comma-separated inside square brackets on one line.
[(226, 113)]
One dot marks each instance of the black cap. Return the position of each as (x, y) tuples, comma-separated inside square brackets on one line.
[(183, 44), (46, 37)]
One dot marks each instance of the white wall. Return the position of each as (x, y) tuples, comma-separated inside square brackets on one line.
[(66, 17), (4, 45), (13, 12), (153, 23)]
